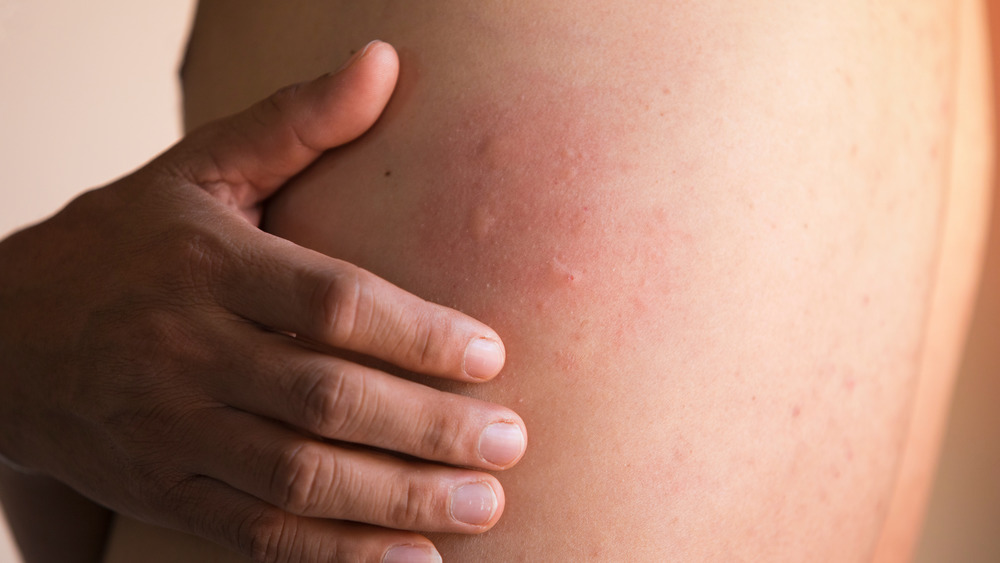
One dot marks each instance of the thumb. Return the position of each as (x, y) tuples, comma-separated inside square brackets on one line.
[(244, 158)]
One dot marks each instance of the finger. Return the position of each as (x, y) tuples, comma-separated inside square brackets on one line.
[(264, 532), (338, 304), (244, 158), (341, 400), (316, 479)]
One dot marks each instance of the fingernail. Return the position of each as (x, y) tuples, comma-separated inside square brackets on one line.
[(483, 358), (411, 554), (473, 504), (356, 56), (501, 443)]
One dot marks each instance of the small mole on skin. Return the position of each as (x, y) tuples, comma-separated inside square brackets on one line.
[(388, 173)]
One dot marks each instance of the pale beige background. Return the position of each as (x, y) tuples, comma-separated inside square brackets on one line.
[(88, 92)]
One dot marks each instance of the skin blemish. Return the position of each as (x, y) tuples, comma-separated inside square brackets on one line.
[(562, 273), (481, 221), (492, 152), (569, 162), (845, 76), (539, 170), (566, 361), (531, 199), (849, 384), (639, 303)]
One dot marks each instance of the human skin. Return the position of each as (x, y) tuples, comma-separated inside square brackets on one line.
[(716, 239), (168, 359), (958, 273)]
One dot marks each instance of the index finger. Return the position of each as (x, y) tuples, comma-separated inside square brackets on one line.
[(287, 287)]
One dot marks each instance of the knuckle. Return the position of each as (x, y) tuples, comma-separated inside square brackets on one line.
[(145, 408), (284, 97), (302, 477), (165, 341), (346, 307), (428, 338), (352, 315), (153, 454), (201, 259), (338, 403), (265, 111), (187, 264), (171, 492), (278, 108), (267, 536), (410, 504), (197, 162), (441, 438)]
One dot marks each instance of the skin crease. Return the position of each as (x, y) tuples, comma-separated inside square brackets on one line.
[(707, 235)]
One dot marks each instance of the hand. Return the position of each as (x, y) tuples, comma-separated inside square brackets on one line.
[(162, 355)]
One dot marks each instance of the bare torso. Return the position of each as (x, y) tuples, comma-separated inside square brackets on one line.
[(711, 237)]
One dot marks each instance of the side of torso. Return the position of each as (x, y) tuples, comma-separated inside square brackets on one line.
[(709, 237)]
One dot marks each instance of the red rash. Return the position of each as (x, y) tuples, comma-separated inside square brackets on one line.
[(532, 204), (522, 211)]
